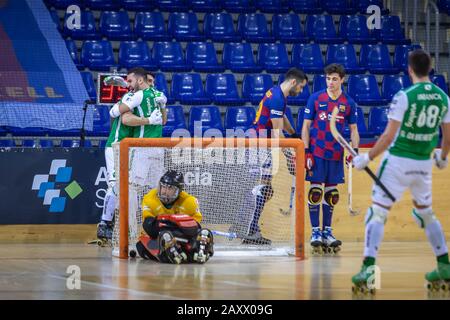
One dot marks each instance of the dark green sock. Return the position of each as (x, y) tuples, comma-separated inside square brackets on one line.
[(369, 261), (443, 259)]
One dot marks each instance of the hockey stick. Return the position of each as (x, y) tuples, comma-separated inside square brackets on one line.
[(229, 235), (352, 211), (347, 146), (291, 200)]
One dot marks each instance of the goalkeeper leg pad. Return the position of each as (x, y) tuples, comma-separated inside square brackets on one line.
[(169, 250)]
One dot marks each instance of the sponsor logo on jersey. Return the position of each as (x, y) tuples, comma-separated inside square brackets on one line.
[(323, 116), (50, 187), (323, 106), (276, 112), (269, 94)]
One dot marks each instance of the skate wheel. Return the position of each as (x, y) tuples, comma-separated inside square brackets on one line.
[(354, 289), (195, 256), (445, 287), (372, 291)]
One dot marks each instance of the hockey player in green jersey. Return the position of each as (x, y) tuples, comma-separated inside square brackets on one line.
[(126, 125), (412, 133)]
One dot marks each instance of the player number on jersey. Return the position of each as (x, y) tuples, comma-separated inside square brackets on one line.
[(428, 117)]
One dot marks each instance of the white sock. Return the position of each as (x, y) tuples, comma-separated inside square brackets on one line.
[(436, 238), (374, 231), (109, 205)]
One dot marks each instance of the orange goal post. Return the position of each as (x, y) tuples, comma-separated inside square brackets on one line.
[(225, 175)]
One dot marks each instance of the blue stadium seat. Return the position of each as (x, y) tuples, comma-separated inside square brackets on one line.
[(135, 54), (287, 28), (73, 51), (338, 6), (55, 19), (444, 6), (392, 84), (7, 143), (308, 57), (364, 90), (273, 57), (321, 29), (222, 89), (401, 55), (378, 119), (2, 131), (205, 118), (439, 80), (238, 57), (362, 5), (391, 31), (97, 55), (306, 6), (27, 132), (299, 100), (87, 29), (88, 81), (150, 26), (376, 58), (183, 26), (319, 82), (102, 143), (187, 88), (354, 29), (271, 6), (361, 125), (172, 5), (206, 5), (102, 122), (161, 85), (202, 56), (239, 118), (63, 4), (175, 120), (115, 25), (300, 118), (29, 143), (102, 4), (219, 27), (68, 143), (345, 55), (253, 27), (138, 5), (238, 6), (169, 56), (45, 143), (254, 86)]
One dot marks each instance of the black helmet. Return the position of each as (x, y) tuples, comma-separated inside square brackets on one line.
[(171, 178)]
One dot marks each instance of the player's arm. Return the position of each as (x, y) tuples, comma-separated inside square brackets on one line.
[(287, 126), (354, 134), (132, 120), (192, 208), (149, 221), (164, 116), (128, 103), (441, 156), (277, 128), (309, 114), (305, 132)]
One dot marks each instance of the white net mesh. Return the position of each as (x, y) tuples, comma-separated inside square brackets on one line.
[(245, 194)]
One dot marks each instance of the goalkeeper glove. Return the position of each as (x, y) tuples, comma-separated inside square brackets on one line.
[(155, 118)]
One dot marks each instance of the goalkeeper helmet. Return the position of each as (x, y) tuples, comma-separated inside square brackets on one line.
[(170, 186)]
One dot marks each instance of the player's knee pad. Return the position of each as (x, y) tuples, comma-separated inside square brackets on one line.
[(423, 217), (377, 214), (331, 196), (263, 190), (315, 195)]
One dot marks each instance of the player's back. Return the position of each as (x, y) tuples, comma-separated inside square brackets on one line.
[(425, 106), (145, 109)]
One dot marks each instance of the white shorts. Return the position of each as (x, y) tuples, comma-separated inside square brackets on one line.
[(146, 166), (109, 157), (399, 174)]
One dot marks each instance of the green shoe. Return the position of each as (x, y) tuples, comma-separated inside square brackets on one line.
[(442, 272), (361, 279)]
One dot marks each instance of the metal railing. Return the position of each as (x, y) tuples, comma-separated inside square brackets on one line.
[(429, 5)]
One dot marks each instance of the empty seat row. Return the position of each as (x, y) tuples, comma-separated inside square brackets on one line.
[(184, 26), (48, 143), (234, 6), (239, 57), (222, 89)]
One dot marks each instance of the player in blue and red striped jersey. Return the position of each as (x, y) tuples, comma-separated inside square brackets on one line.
[(324, 155), (270, 121)]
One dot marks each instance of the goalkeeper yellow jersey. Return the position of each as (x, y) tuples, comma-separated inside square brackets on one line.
[(185, 204)]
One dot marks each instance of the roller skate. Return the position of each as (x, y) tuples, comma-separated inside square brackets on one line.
[(203, 248), (104, 234), (256, 238), (363, 282), (439, 278), (329, 243), (168, 245), (316, 241)]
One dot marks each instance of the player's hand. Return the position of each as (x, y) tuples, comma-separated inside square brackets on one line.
[(161, 100), (361, 161), (349, 158), (155, 118), (438, 161), (309, 160)]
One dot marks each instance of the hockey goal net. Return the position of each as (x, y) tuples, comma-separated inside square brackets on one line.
[(229, 177)]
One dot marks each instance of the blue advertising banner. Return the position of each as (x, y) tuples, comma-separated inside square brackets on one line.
[(52, 186)]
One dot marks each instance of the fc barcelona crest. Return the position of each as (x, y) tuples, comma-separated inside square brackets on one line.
[(341, 108)]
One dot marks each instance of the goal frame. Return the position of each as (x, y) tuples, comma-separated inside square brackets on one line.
[(296, 144)]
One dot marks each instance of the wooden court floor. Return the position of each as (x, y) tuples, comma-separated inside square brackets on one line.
[(39, 271)]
